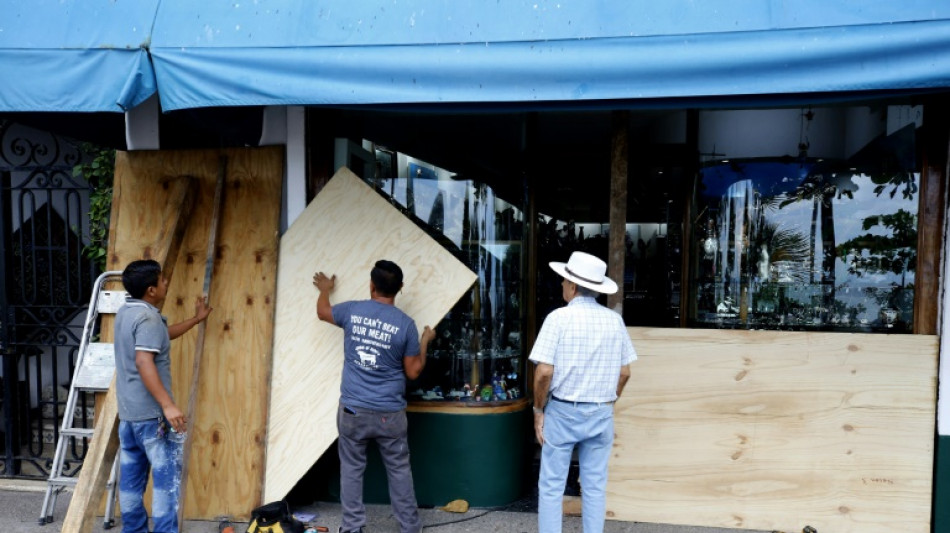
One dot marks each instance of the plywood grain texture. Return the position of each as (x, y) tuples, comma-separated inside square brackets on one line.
[(776, 430), (227, 455), (344, 231)]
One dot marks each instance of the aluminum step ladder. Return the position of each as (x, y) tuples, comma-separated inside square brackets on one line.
[(95, 367)]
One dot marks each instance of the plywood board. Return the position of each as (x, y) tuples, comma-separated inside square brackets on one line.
[(344, 231), (227, 450), (776, 430), (227, 455)]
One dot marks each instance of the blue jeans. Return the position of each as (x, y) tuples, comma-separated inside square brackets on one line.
[(390, 431), (143, 446), (590, 427)]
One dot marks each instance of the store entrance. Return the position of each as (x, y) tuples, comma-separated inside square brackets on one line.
[(506, 193)]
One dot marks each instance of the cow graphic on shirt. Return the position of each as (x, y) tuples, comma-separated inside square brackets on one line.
[(367, 359)]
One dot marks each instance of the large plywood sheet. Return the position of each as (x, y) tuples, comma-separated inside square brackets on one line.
[(776, 430), (344, 231), (227, 455)]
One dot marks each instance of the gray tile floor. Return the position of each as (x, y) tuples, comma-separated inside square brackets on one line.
[(21, 502)]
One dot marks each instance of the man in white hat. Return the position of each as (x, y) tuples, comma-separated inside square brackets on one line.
[(583, 355)]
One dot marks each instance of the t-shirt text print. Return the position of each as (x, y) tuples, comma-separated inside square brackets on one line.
[(372, 335), (376, 338)]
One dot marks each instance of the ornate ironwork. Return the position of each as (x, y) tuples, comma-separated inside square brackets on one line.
[(47, 284)]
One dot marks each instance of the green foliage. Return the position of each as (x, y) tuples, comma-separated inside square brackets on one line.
[(97, 168), (903, 182), (896, 252)]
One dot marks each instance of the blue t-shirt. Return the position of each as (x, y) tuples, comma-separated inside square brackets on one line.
[(376, 337)]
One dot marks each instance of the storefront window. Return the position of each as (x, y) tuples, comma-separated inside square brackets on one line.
[(477, 355), (810, 242), (653, 236)]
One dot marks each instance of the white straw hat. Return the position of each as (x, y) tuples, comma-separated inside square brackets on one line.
[(586, 270)]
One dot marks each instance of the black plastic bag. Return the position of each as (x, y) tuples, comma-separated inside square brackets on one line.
[(274, 517)]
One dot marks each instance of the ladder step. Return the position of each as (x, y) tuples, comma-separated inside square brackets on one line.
[(77, 432), (93, 388), (63, 481), (97, 367)]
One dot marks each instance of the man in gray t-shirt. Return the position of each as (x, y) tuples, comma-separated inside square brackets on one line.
[(151, 426), (380, 350)]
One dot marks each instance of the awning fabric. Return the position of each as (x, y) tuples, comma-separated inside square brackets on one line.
[(75, 55), (110, 55), (423, 51)]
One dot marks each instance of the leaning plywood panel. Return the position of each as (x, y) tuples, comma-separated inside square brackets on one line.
[(776, 430), (346, 229), (227, 455)]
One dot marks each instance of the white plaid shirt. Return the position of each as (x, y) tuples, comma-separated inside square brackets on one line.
[(587, 344)]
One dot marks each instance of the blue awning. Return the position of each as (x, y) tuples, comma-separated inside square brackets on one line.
[(75, 55), (110, 55), (290, 52)]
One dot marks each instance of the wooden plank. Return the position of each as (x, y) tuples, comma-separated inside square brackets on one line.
[(90, 487), (344, 231), (619, 164), (202, 328), (774, 430), (931, 213), (181, 200), (96, 467)]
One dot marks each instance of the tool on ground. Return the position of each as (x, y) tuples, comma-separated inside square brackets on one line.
[(275, 517), (225, 526)]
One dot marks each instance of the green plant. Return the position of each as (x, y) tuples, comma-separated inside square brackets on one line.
[(97, 168)]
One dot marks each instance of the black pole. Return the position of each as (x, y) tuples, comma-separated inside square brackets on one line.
[(9, 358)]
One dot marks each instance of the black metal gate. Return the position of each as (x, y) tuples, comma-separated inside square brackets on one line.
[(45, 292)]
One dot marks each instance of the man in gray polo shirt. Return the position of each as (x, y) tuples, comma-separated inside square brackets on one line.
[(151, 426)]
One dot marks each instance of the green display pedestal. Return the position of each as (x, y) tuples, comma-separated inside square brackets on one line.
[(941, 501), (476, 454)]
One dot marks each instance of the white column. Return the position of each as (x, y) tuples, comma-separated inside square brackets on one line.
[(287, 125), (141, 125), (295, 193)]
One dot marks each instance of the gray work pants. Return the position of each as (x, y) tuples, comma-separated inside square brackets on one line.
[(389, 430)]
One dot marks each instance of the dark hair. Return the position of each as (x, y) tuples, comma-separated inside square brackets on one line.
[(386, 277), (139, 275)]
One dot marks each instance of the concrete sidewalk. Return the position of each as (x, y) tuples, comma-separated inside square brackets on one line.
[(21, 502)]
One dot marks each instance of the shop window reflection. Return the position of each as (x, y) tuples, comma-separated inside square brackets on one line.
[(805, 244), (477, 355)]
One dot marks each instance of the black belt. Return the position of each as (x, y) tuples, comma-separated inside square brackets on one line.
[(555, 398)]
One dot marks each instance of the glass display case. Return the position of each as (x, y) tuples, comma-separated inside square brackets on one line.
[(478, 352)]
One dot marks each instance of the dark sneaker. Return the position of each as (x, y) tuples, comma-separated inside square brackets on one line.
[(340, 530)]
